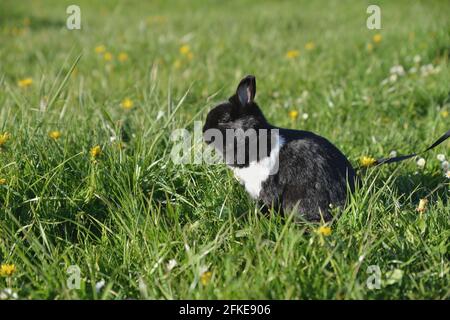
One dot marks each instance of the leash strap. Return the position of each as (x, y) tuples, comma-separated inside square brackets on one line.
[(381, 161)]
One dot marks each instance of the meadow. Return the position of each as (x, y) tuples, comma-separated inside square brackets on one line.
[(87, 185)]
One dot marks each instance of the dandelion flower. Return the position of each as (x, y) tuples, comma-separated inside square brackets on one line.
[(177, 64), (23, 83), (292, 54), (123, 56), (441, 157), (95, 151), (377, 38), (444, 114), (127, 104), (7, 270), (185, 49), (310, 45), (369, 47), (422, 205), (4, 137), (108, 56), (324, 230), (100, 49), (421, 162), (157, 19), (367, 161), (293, 114), (54, 134), (205, 277)]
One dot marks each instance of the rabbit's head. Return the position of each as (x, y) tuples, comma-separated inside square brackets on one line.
[(241, 115)]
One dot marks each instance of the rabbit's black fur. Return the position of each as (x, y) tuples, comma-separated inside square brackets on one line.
[(312, 173)]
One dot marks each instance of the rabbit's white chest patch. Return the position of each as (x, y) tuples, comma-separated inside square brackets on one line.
[(253, 176)]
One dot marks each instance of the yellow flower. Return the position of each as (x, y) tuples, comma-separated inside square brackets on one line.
[(205, 277), (23, 83), (422, 205), (54, 135), (157, 19), (177, 64), (310, 45), (367, 161), (100, 49), (185, 49), (127, 104), (293, 114), (2, 181), (444, 113), (291, 54), (4, 137), (7, 270), (95, 151), (123, 56), (324, 230), (369, 47), (190, 55), (108, 56), (377, 38)]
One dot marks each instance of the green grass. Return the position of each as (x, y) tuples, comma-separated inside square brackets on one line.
[(125, 216)]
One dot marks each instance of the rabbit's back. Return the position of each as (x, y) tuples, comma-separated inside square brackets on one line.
[(312, 175)]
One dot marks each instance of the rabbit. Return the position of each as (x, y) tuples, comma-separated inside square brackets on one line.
[(297, 170)]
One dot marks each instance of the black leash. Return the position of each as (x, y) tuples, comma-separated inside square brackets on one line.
[(381, 161)]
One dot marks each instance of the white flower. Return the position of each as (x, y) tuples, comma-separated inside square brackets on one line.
[(171, 264), (398, 70), (447, 174), (8, 294), (413, 70), (393, 154), (417, 59), (203, 269), (305, 116), (99, 285), (393, 77), (445, 165), (160, 115), (429, 69), (441, 157), (421, 162)]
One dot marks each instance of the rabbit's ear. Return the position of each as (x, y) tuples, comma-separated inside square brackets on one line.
[(246, 90)]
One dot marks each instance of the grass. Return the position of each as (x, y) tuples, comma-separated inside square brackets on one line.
[(123, 217)]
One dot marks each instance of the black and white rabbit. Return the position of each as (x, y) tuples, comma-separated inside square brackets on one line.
[(297, 170)]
